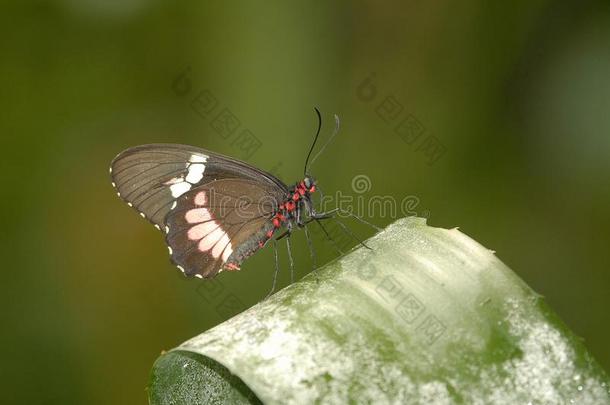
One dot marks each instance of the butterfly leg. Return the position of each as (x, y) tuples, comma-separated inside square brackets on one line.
[(334, 212), (277, 269), (290, 260), (284, 234), (318, 219), (350, 233), (312, 251), (337, 248)]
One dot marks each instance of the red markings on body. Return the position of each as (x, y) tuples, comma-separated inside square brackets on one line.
[(278, 219), (231, 266)]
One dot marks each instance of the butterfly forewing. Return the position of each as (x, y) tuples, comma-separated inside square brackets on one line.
[(150, 178)]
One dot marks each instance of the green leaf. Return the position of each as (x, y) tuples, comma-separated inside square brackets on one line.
[(429, 316)]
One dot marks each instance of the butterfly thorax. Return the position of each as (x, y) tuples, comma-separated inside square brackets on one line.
[(289, 210)]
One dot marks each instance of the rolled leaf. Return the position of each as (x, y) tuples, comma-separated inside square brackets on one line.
[(428, 316)]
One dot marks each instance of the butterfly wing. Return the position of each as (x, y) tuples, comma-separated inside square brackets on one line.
[(151, 178), (219, 224), (215, 210)]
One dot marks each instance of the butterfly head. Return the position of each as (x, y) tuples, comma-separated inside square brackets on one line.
[(309, 184)]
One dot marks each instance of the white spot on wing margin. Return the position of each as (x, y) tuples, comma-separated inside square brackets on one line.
[(198, 159)]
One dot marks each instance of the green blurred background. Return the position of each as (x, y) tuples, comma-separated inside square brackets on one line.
[(515, 94)]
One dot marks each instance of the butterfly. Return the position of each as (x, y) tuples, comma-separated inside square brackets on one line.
[(215, 211)]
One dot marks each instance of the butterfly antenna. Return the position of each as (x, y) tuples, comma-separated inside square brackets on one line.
[(314, 140), (335, 132)]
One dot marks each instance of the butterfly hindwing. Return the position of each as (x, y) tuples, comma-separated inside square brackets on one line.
[(218, 224)]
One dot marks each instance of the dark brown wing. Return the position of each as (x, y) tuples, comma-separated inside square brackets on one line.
[(151, 178), (217, 225)]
